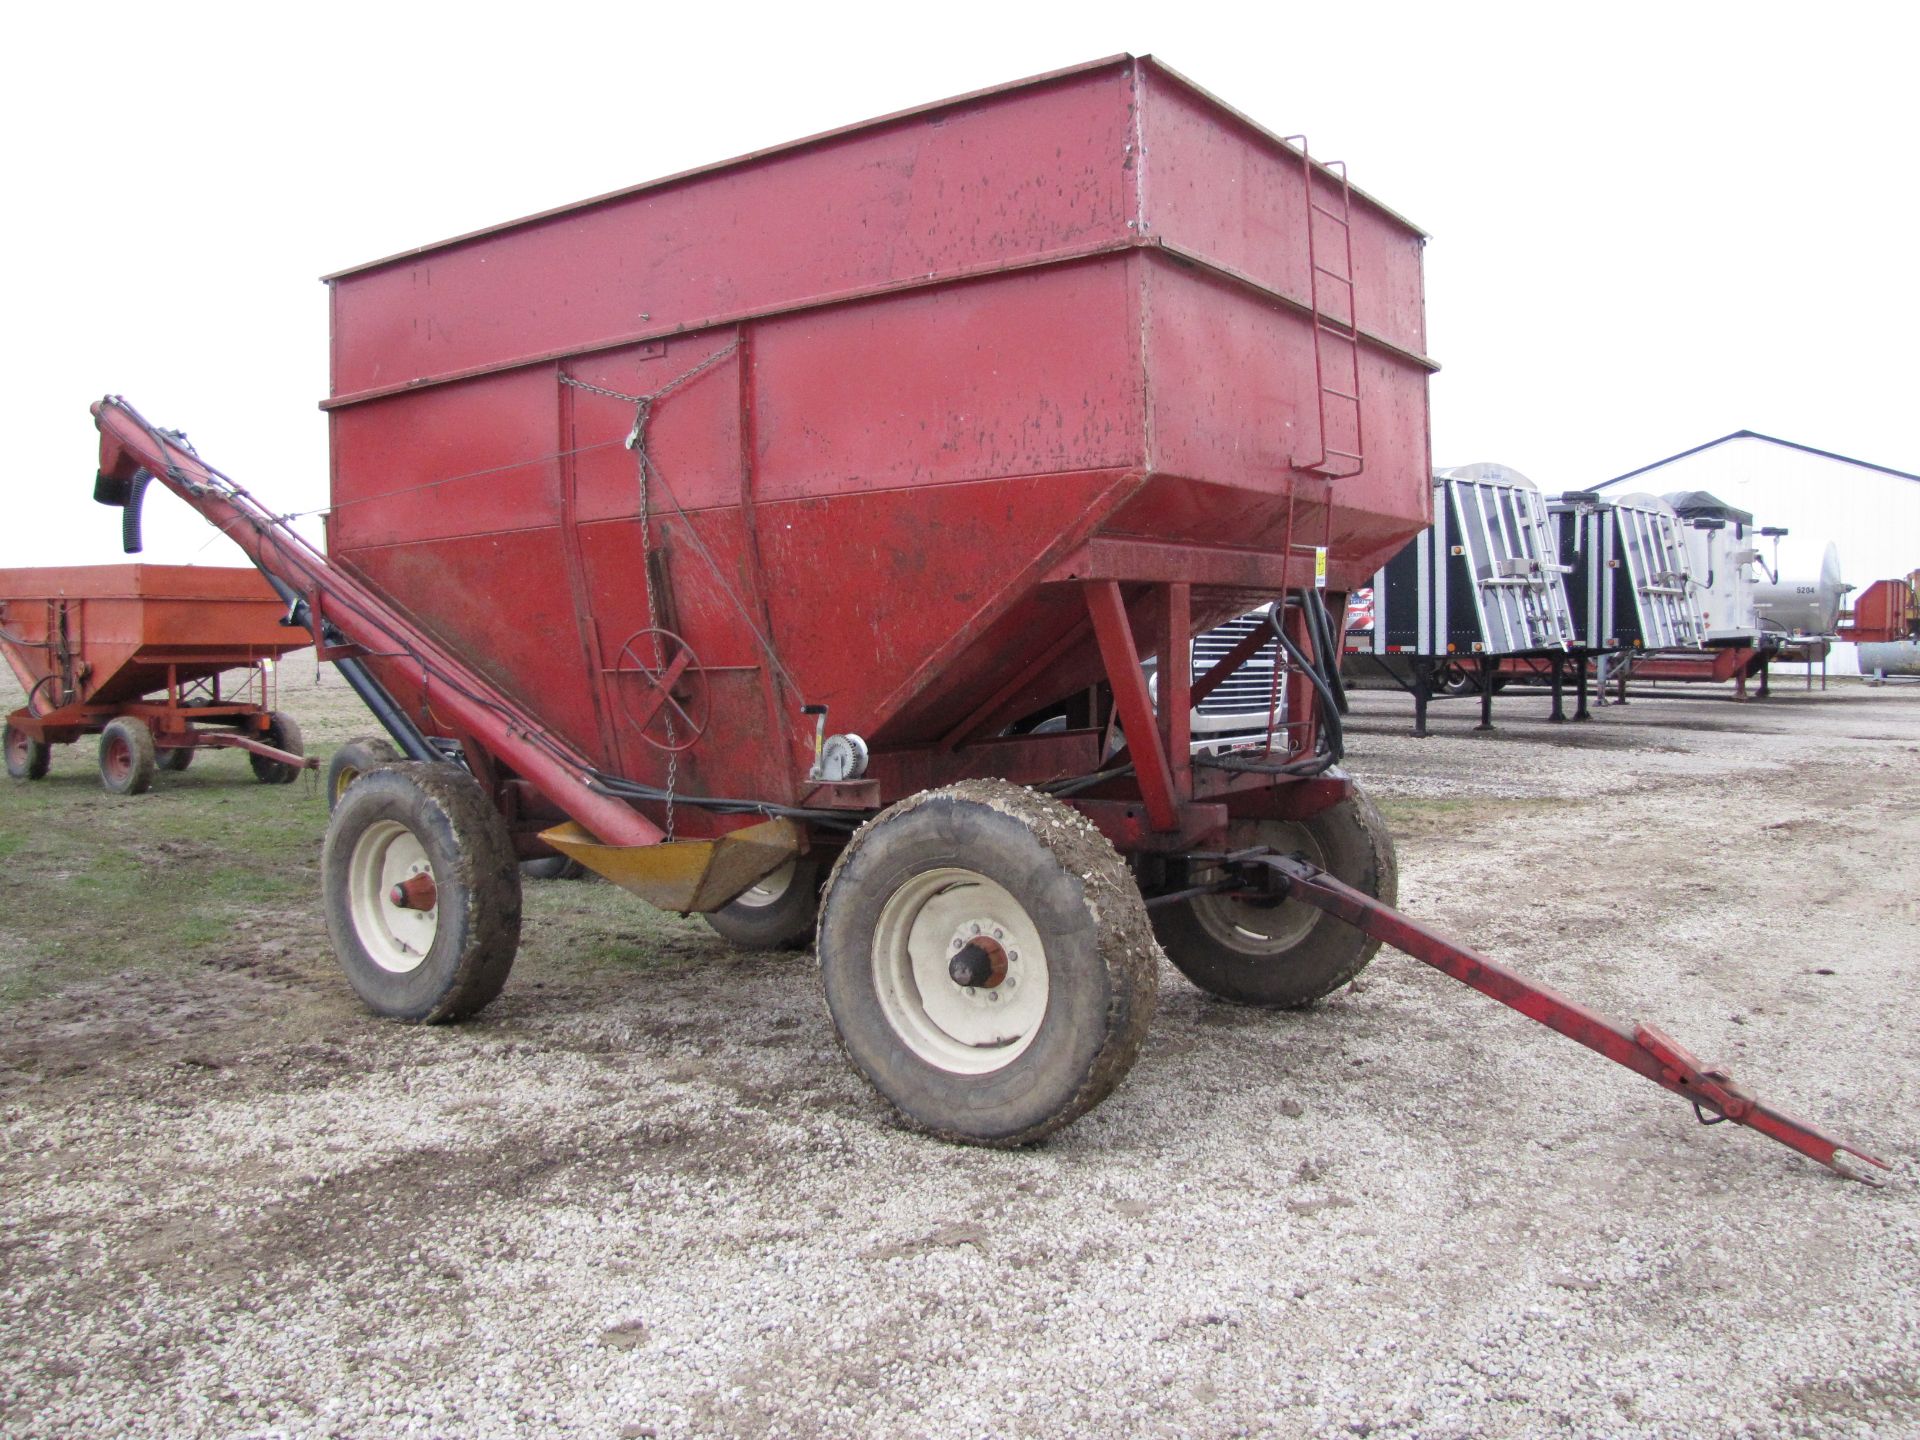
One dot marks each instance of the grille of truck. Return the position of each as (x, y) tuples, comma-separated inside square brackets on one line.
[(1250, 691)]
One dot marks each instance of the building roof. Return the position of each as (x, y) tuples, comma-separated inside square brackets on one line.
[(1771, 440)]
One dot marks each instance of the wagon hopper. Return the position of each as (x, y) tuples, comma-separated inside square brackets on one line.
[(840, 493), (143, 656)]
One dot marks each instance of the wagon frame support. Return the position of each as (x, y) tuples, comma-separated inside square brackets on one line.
[(1159, 730)]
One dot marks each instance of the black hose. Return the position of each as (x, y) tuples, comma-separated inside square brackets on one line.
[(1324, 642), (1329, 711), (130, 541), (408, 736), (632, 790), (1061, 789)]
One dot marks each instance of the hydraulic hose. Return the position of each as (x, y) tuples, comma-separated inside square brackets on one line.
[(1329, 710), (1323, 641), (408, 736)]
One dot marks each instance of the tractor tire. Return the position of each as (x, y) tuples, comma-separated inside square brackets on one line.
[(777, 914), (283, 734), (351, 761), (992, 881), (1284, 954), (127, 762), (174, 758), (27, 758), (436, 955)]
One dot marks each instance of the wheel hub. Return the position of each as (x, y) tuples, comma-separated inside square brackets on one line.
[(392, 897), (961, 970), (1260, 928)]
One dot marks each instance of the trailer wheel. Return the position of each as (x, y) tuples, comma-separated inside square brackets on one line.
[(27, 758), (422, 892), (282, 734), (777, 914), (351, 761), (127, 756), (1285, 954), (175, 757), (987, 961)]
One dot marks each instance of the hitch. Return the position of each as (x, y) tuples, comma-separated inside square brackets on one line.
[(1647, 1051)]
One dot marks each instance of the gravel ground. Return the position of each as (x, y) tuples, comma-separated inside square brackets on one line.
[(651, 1199)]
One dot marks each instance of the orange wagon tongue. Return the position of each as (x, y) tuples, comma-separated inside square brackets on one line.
[(1644, 1049)]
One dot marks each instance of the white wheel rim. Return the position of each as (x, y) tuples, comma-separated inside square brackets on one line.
[(395, 938), (923, 925), (1254, 929), (769, 890)]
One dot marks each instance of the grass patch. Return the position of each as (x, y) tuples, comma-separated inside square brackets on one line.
[(97, 883), (589, 926)]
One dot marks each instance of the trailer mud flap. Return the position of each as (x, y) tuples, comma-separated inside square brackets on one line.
[(1647, 1051)]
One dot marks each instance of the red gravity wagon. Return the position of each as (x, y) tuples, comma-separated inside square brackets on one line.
[(138, 655), (787, 541)]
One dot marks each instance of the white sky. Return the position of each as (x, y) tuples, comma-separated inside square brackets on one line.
[(1652, 224)]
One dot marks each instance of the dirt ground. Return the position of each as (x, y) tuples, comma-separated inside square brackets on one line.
[(643, 1195)]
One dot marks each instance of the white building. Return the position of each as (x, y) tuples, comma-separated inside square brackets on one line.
[(1871, 512)]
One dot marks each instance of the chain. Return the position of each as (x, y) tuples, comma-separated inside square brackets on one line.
[(591, 389), (637, 442)]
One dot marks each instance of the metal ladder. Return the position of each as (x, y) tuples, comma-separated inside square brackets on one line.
[(1336, 341)]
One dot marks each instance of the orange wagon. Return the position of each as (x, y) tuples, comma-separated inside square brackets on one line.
[(137, 654)]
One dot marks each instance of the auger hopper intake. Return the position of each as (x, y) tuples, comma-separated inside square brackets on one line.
[(789, 541)]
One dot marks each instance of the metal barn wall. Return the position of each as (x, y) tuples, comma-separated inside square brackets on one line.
[(1873, 517)]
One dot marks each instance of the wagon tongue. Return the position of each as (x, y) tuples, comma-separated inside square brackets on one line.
[(1644, 1049)]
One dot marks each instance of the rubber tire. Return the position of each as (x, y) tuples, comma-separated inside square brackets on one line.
[(786, 923), (477, 877), (1357, 849), (132, 733), (283, 734), (27, 758), (175, 758), (552, 867), (1103, 967), (354, 759)]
